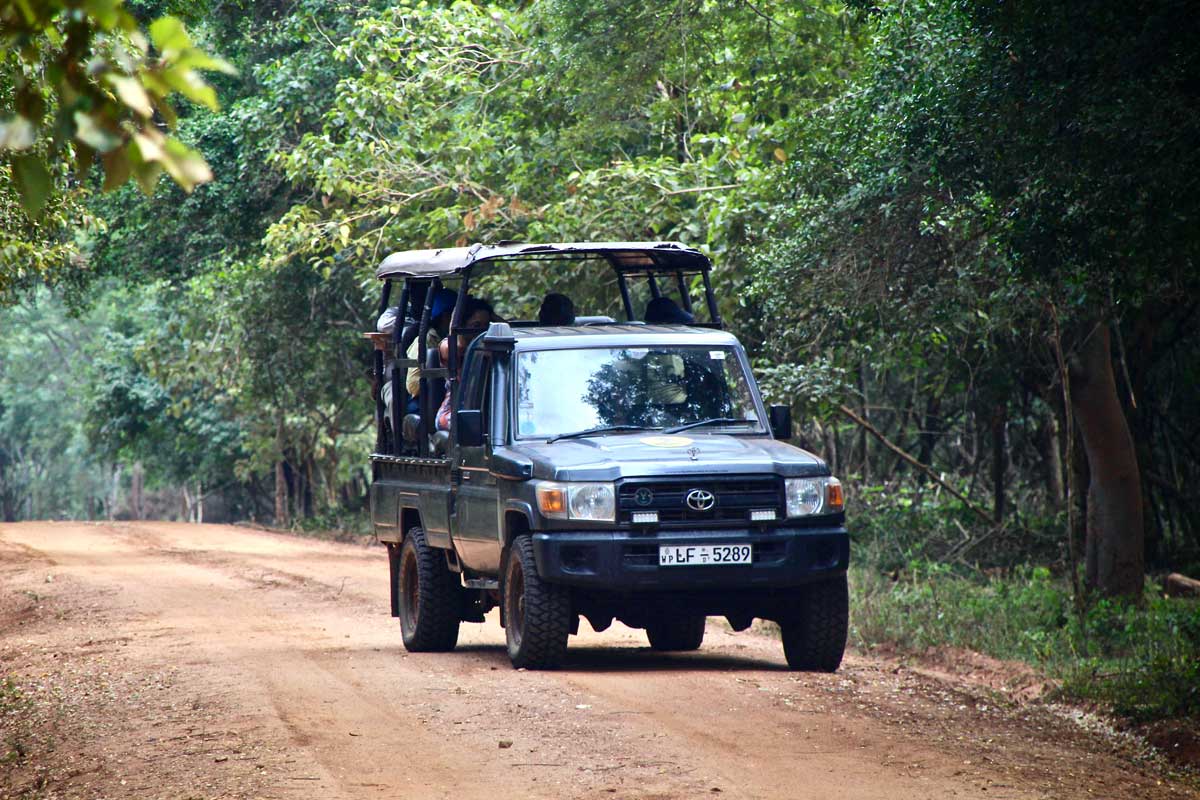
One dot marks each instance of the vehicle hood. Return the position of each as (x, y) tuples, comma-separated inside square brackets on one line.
[(646, 454)]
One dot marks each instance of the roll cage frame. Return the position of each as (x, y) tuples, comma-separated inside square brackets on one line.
[(423, 271)]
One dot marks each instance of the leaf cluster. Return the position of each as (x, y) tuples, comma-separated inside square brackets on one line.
[(86, 83)]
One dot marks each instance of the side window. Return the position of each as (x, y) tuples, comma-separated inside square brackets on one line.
[(485, 391), (477, 392)]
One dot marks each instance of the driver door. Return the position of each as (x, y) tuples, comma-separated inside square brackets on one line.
[(475, 524)]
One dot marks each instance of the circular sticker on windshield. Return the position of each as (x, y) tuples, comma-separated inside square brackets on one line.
[(667, 441)]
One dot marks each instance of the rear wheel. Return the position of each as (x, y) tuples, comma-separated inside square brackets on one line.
[(685, 632), (814, 638), (537, 615), (429, 597)]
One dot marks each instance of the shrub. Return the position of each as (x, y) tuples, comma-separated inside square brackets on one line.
[(1139, 660)]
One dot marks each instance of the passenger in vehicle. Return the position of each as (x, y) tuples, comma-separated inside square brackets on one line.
[(557, 309), (477, 313), (439, 327), (664, 311)]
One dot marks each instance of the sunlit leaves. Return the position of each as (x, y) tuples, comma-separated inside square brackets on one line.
[(462, 123), (86, 81), (33, 182)]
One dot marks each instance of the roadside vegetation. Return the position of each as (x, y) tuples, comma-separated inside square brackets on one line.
[(1137, 659), (961, 239), (927, 578)]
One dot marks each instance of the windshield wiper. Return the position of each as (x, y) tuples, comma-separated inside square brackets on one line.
[(600, 429), (712, 421)]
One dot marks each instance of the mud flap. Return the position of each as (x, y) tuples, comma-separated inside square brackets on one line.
[(394, 576)]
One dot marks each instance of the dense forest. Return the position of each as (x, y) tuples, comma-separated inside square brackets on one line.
[(961, 238)]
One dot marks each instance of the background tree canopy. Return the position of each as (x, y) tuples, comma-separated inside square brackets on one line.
[(960, 238)]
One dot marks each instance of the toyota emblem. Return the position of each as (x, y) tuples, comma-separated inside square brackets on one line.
[(700, 500)]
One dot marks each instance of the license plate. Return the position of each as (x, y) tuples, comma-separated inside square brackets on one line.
[(688, 555)]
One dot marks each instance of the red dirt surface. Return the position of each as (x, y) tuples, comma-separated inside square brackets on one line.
[(180, 661)]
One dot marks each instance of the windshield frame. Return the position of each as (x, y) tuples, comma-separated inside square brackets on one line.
[(760, 428)]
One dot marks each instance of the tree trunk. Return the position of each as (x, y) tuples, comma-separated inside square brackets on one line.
[(281, 495), (114, 496), (864, 441), (296, 486), (1115, 533), (308, 487), (8, 492), (136, 479), (999, 426), (1052, 465)]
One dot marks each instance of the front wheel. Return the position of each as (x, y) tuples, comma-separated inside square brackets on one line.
[(684, 632), (814, 637), (537, 615), (429, 597)]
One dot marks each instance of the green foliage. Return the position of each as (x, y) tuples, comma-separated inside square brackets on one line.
[(986, 163), (433, 139), (906, 187), (47, 468), (294, 363), (816, 387), (85, 74), (991, 186), (178, 426), (894, 525), (1146, 665), (1138, 660), (79, 83), (34, 252), (339, 525)]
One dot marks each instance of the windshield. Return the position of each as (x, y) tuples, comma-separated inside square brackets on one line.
[(566, 391)]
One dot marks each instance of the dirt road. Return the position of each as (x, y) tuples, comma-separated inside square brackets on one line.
[(168, 660)]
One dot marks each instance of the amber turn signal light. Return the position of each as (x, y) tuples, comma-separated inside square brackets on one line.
[(552, 500), (834, 498)]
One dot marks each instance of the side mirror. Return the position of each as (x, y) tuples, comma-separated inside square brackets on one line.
[(470, 428), (781, 422)]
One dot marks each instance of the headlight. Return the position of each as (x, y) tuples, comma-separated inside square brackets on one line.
[(808, 496), (590, 501)]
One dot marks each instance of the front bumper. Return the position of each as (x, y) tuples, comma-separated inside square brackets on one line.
[(628, 560)]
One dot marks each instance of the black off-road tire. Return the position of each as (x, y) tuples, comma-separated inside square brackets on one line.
[(814, 638), (537, 614), (429, 597), (683, 632)]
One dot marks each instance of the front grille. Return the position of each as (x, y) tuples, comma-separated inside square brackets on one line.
[(733, 499)]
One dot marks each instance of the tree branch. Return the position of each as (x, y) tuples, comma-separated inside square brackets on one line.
[(871, 429)]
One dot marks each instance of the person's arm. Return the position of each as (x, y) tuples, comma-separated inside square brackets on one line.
[(387, 320), (443, 414), (412, 379)]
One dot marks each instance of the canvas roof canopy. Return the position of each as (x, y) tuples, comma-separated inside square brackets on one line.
[(623, 257)]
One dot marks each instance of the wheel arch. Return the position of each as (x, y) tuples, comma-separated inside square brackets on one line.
[(410, 517), (516, 522)]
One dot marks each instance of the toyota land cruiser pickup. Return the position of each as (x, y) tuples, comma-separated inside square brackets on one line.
[(604, 470)]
